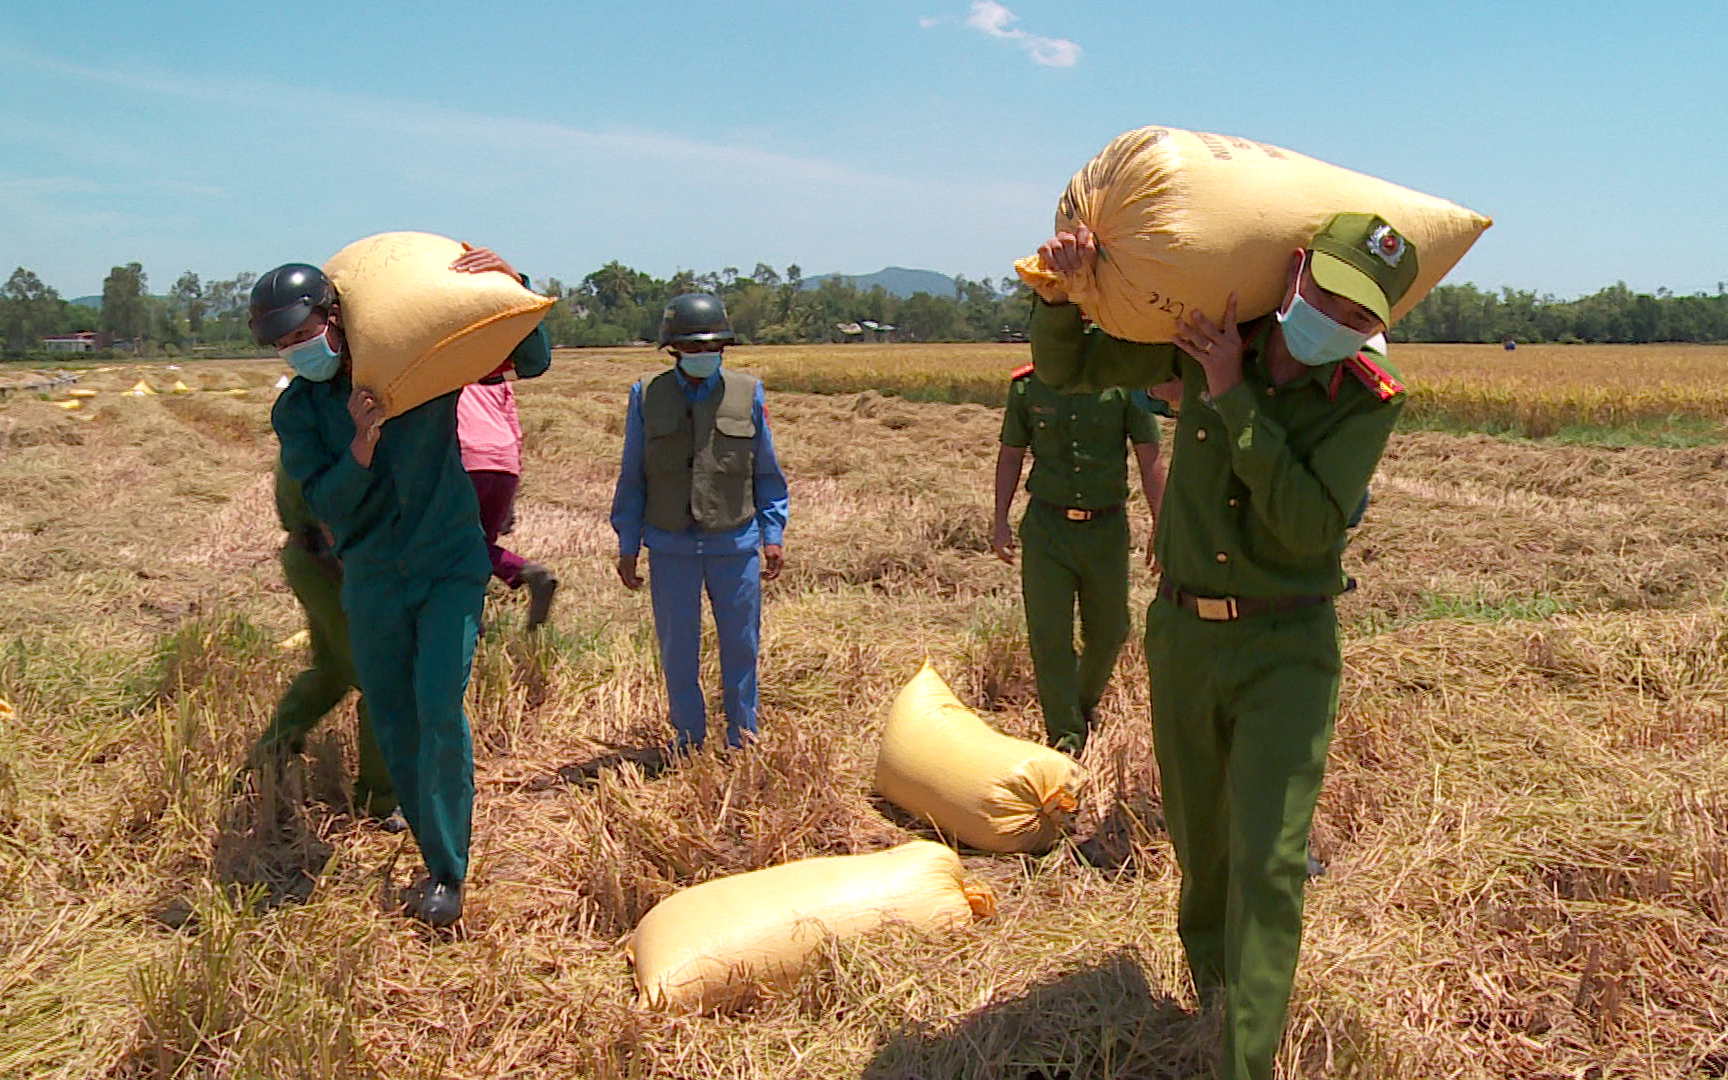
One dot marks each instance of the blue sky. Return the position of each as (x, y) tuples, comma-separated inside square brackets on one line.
[(843, 135)]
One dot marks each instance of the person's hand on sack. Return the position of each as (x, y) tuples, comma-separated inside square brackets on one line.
[(368, 417), (1217, 348), (475, 260), (1067, 253)]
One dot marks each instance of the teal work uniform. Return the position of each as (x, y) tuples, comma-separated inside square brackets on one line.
[(1262, 484), (316, 578), (408, 533), (1074, 540)]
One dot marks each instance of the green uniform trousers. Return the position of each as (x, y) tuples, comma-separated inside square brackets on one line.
[(1242, 716), (321, 687), (1063, 562), (413, 649)]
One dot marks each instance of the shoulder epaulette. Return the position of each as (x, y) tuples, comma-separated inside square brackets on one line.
[(1021, 372), (1377, 379)]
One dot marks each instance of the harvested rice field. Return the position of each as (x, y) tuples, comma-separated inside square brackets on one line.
[(1524, 824)]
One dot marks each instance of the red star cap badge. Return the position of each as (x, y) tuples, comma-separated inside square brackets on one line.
[(1386, 245)]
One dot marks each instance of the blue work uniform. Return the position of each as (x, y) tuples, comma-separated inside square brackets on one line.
[(682, 565), (415, 568)]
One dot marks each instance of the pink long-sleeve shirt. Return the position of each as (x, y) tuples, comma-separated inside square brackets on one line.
[(487, 427)]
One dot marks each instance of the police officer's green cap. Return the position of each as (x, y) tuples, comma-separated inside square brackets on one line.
[(1361, 257)]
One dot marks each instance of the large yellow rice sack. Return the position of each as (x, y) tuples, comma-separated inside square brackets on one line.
[(418, 329), (1184, 218), (714, 943), (941, 761)]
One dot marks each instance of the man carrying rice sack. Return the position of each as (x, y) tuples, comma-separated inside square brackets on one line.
[(1282, 424), (407, 529)]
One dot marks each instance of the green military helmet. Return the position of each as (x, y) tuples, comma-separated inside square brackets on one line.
[(1361, 257), (284, 298), (696, 318)]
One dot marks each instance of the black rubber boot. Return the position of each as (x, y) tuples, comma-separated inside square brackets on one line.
[(541, 585), (392, 822), (436, 904)]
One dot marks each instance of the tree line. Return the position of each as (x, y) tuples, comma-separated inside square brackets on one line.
[(616, 305), (1465, 313), (194, 313)]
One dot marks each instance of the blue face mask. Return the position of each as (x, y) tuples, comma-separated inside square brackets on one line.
[(1315, 338), (699, 365), (313, 359)]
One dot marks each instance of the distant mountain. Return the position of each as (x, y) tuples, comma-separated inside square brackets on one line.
[(897, 280), (96, 301)]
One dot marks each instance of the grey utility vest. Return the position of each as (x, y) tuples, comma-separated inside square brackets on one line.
[(701, 458)]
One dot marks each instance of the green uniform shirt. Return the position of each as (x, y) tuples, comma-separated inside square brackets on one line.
[(414, 511), (307, 535), (1078, 456), (291, 509), (1262, 481)]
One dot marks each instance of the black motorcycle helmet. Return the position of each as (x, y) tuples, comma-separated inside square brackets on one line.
[(283, 299), (696, 317)]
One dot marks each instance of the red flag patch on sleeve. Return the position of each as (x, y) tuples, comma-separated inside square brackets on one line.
[(1374, 377), (1021, 372)]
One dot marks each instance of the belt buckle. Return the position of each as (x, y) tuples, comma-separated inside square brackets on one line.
[(1075, 514), (1215, 608)]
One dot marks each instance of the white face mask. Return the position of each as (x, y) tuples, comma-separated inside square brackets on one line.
[(1314, 337), (313, 359)]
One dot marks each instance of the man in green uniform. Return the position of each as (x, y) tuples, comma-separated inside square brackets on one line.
[(1075, 534), (1283, 422), (315, 574), (407, 528)]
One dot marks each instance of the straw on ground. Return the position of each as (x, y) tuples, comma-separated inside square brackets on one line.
[(1525, 821)]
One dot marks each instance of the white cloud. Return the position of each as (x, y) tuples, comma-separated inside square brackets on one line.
[(928, 21), (994, 19), (555, 194), (1054, 52), (454, 128)]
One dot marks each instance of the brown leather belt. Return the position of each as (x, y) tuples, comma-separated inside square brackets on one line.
[(1231, 608), (1075, 513)]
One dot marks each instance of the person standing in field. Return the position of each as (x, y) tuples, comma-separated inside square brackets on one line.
[(491, 437), (314, 573), (1282, 425), (1075, 535), (406, 525), (700, 486)]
